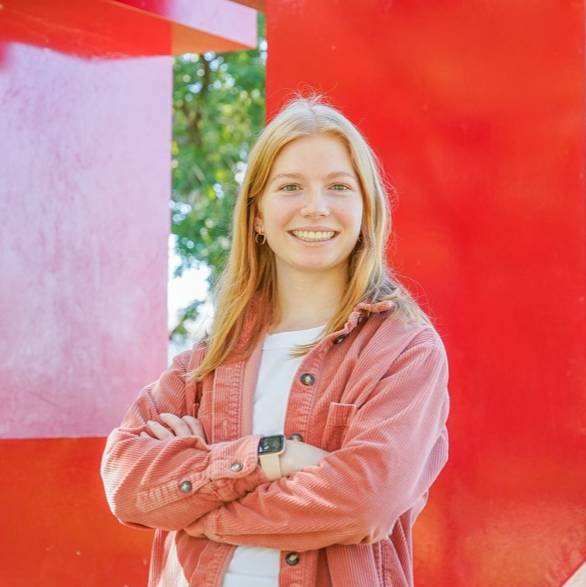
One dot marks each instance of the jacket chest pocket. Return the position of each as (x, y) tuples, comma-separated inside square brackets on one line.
[(337, 421)]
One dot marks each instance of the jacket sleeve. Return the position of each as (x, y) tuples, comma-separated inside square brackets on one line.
[(152, 483), (395, 447)]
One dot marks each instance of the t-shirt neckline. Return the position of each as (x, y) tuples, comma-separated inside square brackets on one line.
[(290, 338)]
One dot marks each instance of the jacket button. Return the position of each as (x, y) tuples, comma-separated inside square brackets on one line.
[(340, 339), (185, 486), (236, 467), (292, 558), (307, 379), (296, 436)]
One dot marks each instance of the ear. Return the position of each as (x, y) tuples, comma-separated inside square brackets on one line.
[(257, 224)]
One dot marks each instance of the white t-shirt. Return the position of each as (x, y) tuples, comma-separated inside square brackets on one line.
[(255, 566)]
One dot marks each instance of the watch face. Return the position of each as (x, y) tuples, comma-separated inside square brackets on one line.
[(270, 444)]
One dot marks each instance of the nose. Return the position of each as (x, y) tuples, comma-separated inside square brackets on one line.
[(315, 204)]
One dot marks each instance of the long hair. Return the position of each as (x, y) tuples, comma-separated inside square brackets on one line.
[(249, 275)]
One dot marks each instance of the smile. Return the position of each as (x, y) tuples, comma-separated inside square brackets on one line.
[(307, 236)]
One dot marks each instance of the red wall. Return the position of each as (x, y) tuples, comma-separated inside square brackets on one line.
[(477, 111)]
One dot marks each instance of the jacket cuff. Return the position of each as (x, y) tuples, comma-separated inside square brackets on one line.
[(232, 471), (234, 467)]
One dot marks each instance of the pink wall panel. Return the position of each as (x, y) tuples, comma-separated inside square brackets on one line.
[(85, 142), (477, 111), (84, 221)]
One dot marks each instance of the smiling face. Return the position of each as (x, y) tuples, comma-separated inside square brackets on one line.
[(312, 188)]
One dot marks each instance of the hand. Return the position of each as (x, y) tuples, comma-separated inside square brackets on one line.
[(299, 455), (185, 426)]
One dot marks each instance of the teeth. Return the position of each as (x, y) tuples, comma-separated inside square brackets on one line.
[(313, 236)]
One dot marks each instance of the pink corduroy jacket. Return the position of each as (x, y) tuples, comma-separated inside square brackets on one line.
[(374, 394)]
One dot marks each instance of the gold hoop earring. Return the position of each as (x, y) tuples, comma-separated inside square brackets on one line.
[(256, 238)]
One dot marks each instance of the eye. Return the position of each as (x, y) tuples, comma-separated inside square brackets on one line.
[(343, 187)]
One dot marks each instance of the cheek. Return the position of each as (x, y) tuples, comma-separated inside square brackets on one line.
[(351, 215), (279, 216)]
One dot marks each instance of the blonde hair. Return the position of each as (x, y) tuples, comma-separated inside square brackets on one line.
[(250, 274)]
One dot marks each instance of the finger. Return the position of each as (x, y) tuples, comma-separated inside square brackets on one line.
[(159, 430), (145, 435), (176, 423), (195, 426)]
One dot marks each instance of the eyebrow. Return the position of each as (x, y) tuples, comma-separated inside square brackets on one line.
[(300, 175)]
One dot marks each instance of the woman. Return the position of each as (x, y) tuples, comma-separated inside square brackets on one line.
[(297, 442)]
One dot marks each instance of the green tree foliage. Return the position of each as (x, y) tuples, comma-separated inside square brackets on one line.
[(218, 110)]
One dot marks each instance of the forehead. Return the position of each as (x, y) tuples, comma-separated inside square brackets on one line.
[(313, 155)]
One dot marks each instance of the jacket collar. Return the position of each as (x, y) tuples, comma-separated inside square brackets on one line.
[(359, 311), (364, 308)]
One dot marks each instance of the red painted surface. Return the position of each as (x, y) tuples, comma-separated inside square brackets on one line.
[(57, 529), (94, 28), (477, 111), (118, 29)]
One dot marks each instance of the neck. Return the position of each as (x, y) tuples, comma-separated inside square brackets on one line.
[(306, 300)]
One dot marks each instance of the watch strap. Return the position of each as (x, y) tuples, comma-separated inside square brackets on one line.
[(271, 465)]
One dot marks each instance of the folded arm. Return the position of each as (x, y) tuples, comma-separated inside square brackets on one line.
[(169, 483), (394, 449)]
